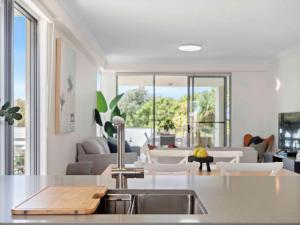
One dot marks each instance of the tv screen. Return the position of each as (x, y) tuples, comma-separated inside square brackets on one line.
[(289, 131)]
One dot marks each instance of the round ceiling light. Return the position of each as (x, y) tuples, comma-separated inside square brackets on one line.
[(189, 48)]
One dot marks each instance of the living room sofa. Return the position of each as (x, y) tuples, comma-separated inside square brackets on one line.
[(100, 155)]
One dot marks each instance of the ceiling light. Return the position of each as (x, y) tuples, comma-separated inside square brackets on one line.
[(189, 48)]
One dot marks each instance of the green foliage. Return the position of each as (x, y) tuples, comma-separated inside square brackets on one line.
[(109, 128), (5, 106), (170, 113), (138, 108), (98, 117), (114, 103), (21, 103), (168, 125), (166, 109), (115, 111), (10, 114), (207, 106), (101, 102)]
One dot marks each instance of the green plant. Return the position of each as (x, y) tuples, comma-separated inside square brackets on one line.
[(10, 114), (103, 108), (168, 125)]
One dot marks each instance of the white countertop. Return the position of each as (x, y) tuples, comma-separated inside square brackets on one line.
[(228, 200)]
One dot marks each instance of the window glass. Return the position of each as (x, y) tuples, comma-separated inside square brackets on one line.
[(137, 103), (21, 68), (171, 96)]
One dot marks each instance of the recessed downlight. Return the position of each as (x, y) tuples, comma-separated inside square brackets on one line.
[(190, 48)]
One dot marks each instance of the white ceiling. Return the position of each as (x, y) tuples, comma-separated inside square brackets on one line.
[(149, 31)]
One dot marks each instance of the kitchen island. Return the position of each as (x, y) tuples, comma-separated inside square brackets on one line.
[(228, 200)]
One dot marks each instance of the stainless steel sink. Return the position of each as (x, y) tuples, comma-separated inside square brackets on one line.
[(151, 202)]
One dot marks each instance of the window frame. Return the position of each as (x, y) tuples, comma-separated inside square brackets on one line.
[(7, 137), (190, 77)]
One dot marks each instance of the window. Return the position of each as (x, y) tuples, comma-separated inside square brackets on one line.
[(21, 65), (21, 89), (137, 103), (193, 109), (208, 110)]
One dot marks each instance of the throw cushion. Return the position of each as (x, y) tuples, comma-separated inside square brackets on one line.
[(103, 142), (261, 149), (112, 143), (92, 147), (255, 140)]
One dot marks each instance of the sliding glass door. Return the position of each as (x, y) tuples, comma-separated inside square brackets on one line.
[(21, 88), (21, 68), (209, 111), (171, 108), (183, 109)]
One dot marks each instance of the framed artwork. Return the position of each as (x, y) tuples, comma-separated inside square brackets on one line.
[(65, 87)]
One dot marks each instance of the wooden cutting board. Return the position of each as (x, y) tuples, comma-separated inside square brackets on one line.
[(62, 200)]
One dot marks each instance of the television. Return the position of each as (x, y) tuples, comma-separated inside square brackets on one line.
[(289, 131)]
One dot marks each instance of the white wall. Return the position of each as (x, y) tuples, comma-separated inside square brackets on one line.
[(286, 69), (108, 88), (252, 93), (252, 105), (62, 147)]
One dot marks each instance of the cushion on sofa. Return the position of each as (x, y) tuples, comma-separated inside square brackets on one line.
[(255, 140), (261, 149), (103, 142), (92, 147), (112, 143)]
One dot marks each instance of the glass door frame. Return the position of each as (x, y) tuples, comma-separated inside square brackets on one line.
[(227, 102), (190, 76), (7, 82)]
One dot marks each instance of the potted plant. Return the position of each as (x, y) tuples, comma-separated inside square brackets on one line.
[(10, 114), (166, 125), (102, 107)]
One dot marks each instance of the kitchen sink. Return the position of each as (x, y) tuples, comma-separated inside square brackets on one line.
[(151, 202)]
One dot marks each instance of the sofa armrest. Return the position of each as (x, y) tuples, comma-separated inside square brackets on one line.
[(80, 168), (102, 161)]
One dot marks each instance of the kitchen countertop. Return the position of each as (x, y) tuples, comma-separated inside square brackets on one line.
[(228, 200)]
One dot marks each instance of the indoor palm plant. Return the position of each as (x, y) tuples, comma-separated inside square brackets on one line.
[(102, 107)]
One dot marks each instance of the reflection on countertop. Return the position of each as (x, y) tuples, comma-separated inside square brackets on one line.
[(239, 200)]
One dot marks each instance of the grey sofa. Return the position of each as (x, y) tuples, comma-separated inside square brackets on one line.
[(102, 158)]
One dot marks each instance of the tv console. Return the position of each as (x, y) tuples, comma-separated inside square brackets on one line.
[(288, 158)]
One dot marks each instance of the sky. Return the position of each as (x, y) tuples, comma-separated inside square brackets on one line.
[(19, 56)]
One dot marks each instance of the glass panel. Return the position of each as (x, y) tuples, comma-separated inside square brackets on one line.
[(137, 103), (208, 134), (171, 110), (207, 111), (21, 64)]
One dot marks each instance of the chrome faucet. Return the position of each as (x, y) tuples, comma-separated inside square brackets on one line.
[(120, 124), (121, 173)]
